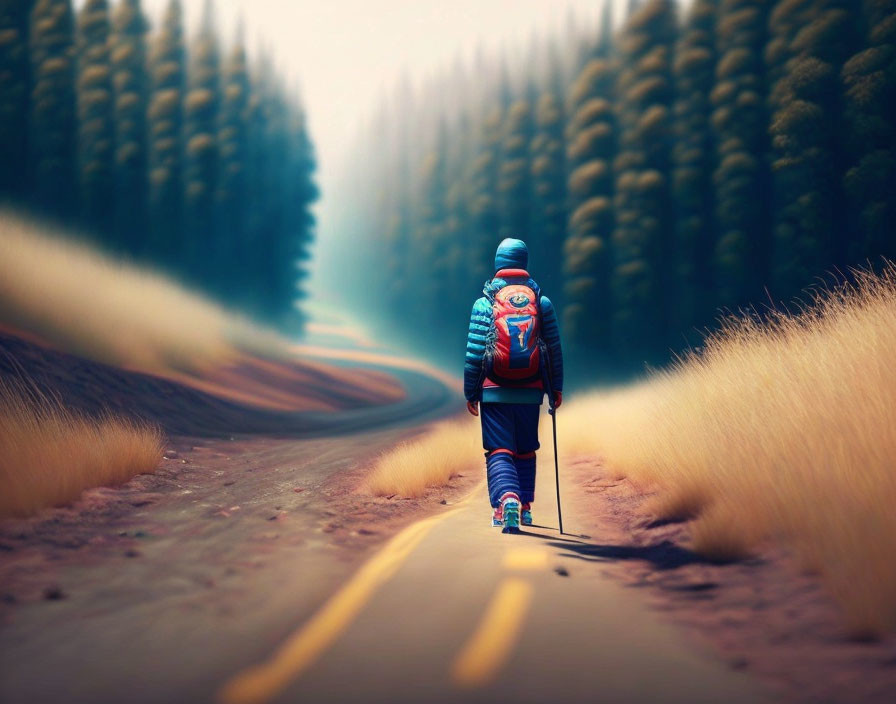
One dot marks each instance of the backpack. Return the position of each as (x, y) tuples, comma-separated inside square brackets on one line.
[(514, 352)]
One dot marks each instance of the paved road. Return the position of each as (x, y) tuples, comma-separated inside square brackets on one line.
[(243, 592), (452, 610), (240, 586)]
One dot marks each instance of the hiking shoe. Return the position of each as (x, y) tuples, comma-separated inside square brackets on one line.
[(510, 506), (498, 517), (526, 515)]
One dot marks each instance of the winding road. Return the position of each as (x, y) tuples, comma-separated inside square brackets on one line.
[(251, 570)]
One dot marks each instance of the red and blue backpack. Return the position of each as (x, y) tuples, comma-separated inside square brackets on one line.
[(513, 351)]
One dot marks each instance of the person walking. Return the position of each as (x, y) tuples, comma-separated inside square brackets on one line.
[(513, 358)]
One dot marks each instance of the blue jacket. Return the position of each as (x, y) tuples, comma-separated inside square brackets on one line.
[(511, 254)]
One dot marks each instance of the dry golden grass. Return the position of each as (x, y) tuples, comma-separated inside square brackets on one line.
[(49, 455), (445, 450), (75, 299), (109, 311), (782, 431)]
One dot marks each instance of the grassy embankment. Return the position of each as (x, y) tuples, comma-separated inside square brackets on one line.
[(783, 431), (60, 293), (447, 449), (82, 302), (48, 455), (97, 307), (68, 296)]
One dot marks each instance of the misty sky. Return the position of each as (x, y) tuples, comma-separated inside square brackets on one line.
[(344, 54)]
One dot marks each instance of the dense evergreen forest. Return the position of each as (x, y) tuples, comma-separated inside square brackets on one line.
[(701, 158), (172, 152)]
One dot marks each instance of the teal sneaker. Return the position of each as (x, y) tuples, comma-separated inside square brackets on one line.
[(510, 507), (526, 515), (498, 517)]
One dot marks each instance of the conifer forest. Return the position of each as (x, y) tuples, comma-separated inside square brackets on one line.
[(667, 167), (170, 150)]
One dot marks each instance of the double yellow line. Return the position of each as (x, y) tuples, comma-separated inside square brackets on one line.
[(479, 659)]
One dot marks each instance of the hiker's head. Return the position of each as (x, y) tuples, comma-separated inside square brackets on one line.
[(511, 254)]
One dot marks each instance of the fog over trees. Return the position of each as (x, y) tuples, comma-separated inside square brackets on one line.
[(664, 167), (695, 160)]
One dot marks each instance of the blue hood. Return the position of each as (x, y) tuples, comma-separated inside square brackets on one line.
[(511, 254)]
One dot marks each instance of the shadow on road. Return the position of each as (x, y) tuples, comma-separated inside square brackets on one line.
[(664, 555), (562, 541)]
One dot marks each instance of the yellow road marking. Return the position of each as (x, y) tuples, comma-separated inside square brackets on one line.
[(526, 559), (490, 645), (260, 683)]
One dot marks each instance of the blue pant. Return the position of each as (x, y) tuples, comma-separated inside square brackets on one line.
[(510, 438)]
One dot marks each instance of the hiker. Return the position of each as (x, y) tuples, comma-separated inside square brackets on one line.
[(513, 358)]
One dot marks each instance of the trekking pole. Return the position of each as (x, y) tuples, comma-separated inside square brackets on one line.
[(553, 412), (549, 383)]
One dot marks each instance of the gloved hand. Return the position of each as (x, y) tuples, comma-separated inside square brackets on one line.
[(472, 407), (558, 398)]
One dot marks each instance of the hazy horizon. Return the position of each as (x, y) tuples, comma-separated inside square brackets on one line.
[(346, 56)]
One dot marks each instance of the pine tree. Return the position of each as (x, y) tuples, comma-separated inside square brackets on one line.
[(260, 185), (694, 159), (300, 221), (233, 138), (13, 95), (483, 205), (869, 79), (742, 181), (644, 224), (52, 119), (270, 264), (130, 83), (591, 135), (514, 176), (811, 40), (268, 168), (428, 234), (458, 223), (548, 172), (167, 73), (96, 132), (201, 157), (291, 222)]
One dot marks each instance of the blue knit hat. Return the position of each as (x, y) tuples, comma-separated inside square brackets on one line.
[(511, 254)]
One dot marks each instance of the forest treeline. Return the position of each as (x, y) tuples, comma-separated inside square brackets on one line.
[(694, 161), (169, 151)]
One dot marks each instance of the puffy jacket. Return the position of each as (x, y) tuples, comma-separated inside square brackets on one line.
[(511, 253)]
